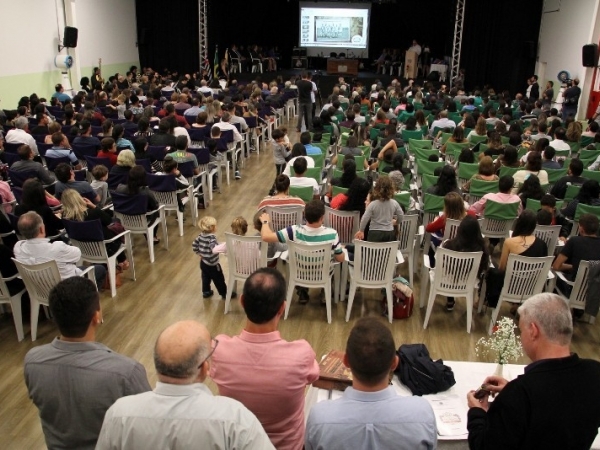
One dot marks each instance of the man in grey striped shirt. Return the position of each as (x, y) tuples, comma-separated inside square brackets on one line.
[(74, 380)]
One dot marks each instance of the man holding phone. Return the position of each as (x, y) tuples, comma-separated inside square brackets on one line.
[(555, 403)]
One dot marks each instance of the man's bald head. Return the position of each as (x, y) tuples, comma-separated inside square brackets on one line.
[(179, 350)]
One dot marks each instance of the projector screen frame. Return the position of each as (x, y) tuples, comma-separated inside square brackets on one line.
[(324, 50)]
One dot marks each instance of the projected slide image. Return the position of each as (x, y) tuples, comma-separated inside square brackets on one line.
[(338, 29), (334, 27)]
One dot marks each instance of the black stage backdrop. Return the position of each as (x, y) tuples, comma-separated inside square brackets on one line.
[(499, 38)]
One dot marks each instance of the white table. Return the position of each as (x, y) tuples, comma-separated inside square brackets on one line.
[(468, 376), (441, 68)]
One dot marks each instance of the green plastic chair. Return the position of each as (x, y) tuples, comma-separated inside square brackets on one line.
[(480, 187), (490, 126), (345, 130), (572, 191), (574, 147), (508, 171), (455, 117), (466, 171), (445, 137), (591, 175), (360, 161), (344, 139), (425, 144), (522, 151), (504, 140), (366, 150), (311, 172), (586, 209), (305, 193), (428, 180), (421, 153), (535, 205), (318, 159), (374, 133), (335, 190), (474, 139), (556, 174), (455, 147), (359, 173), (403, 199), (323, 146), (418, 106), (562, 153), (412, 134), (382, 165), (498, 219), (585, 141), (407, 181), (587, 157), (427, 167), (432, 206)]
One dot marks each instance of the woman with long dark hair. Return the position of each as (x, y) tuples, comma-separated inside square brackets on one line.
[(531, 188), (137, 184), (354, 199), (468, 239), (446, 183), (34, 198)]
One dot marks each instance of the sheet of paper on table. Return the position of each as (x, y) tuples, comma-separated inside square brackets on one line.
[(450, 414)]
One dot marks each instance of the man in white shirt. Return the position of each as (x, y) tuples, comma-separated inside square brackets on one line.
[(20, 135), (442, 122), (37, 249), (233, 119), (225, 124), (204, 88), (181, 412), (559, 142), (415, 47), (300, 167)]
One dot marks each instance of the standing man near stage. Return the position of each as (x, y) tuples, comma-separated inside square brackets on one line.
[(571, 100), (305, 88)]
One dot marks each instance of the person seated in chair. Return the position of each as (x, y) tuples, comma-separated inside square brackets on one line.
[(27, 164), (61, 149), (66, 180)]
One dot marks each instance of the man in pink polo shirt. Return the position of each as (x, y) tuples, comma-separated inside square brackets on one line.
[(260, 369)]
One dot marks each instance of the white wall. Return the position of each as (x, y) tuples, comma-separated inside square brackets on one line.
[(30, 33), (563, 33)]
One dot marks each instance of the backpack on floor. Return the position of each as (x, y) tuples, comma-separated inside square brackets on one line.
[(403, 299), (420, 373)]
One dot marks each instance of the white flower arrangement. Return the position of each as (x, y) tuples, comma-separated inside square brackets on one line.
[(503, 342)]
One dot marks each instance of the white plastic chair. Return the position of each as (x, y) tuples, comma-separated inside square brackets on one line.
[(451, 229), (94, 251), (407, 232), (310, 266), (284, 216), (138, 223), (245, 255), (525, 276), (549, 234), (346, 223), (168, 197), (455, 275), (39, 280), (15, 303), (579, 289), (373, 267)]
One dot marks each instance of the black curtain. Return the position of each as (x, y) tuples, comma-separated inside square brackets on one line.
[(499, 43), (168, 35), (498, 47)]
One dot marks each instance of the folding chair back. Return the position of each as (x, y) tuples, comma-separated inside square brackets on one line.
[(346, 223), (284, 216), (498, 219), (305, 193)]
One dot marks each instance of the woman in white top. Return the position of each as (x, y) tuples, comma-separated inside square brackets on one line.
[(534, 166)]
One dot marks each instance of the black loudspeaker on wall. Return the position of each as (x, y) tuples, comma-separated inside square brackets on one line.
[(70, 37), (589, 55)]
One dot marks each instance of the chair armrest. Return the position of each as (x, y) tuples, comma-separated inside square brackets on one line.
[(562, 277), (426, 261), (156, 210), (16, 275), (86, 272), (118, 236)]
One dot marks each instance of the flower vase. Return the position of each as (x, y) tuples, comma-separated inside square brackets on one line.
[(499, 372)]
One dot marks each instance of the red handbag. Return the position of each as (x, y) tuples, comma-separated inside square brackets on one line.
[(402, 306)]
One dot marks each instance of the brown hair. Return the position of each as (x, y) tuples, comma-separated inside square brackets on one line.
[(486, 166), (454, 206), (384, 189), (239, 226)]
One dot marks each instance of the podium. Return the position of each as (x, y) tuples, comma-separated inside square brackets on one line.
[(342, 66), (411, 64)]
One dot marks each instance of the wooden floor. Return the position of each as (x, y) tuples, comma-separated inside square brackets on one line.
[(170, 290)]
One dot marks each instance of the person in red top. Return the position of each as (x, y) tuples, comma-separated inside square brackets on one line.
[(264, 372), (108, 149), (454, 208)]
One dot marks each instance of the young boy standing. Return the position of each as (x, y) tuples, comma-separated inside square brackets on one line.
[(204, 246)]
